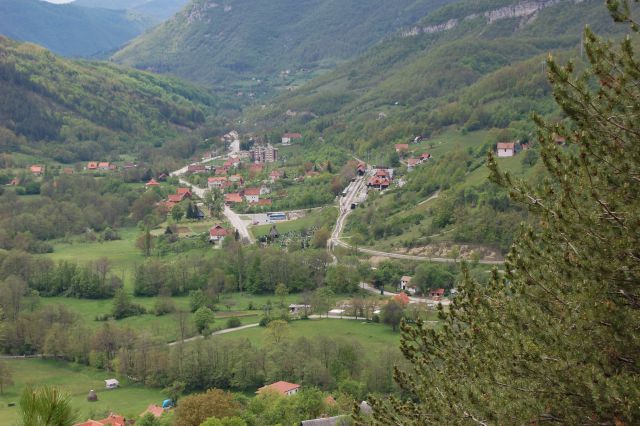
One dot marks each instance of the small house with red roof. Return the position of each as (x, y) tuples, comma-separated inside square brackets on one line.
[(506, 149), (152, 183), (275, 175), (287, 138), (217, 182), (234, 197), (265, 202), (36, 169), (174, 199), (377, 182), (252, 195), (104, 166), (437, 293), (412, 163), (425, 156), (282, 388), (92, 165), (217, 233)]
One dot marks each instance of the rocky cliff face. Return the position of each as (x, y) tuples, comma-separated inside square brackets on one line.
[(527, 10)]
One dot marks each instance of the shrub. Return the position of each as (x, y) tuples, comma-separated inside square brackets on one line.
[(233, 322)]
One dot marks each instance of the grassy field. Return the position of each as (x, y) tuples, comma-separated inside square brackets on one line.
[(372, 336), (128, 400), (165, 328), (313, 218)]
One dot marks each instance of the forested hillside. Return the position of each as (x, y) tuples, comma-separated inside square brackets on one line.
[(476, 75), (67, 29), (72, 111), (267, 44)]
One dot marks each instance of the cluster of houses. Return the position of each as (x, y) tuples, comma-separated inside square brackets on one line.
[(251, 195), (381, 179), (179, 196)]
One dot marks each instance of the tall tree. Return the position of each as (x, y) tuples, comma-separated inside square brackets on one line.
[(45, 406), (555, 339)]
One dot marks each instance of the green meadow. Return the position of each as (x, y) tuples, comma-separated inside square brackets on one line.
[(129, 400)]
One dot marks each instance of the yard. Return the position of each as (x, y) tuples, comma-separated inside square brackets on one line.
[(128, 400)]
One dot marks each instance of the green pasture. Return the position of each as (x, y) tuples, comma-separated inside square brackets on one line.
[(129, 400)]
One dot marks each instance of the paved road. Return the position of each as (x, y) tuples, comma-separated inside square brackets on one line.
[(239, 224), (233, 217), (356, 192)]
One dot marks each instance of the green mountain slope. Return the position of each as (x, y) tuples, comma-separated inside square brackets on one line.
[(158, 10), (250, 40), (465, 77), (76, 110), (475, 75), (67, 29)]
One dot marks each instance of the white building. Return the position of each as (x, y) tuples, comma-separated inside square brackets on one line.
[(506, 149)]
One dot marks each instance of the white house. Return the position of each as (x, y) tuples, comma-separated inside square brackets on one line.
[(111, 383), (217, 182), (506, 149), (287, 138), (252, 195), (405, 284)]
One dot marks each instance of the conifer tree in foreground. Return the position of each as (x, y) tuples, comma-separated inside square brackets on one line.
[(557, 337)]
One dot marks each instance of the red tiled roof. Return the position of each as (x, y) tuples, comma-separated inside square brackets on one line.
[(234, 197), (217, 179), (280, 387), (413, 161), (256, 167), (154, 409), (152, 182), (175, 198), (382, 173), (36, 169), (103, 165), (92, 165), (506, 145), (425, 155), (252, 191), (292, 135), (265, 202), (183, 191), (218, 231), (90, 423), (114, 420), (437, 292), (378, 181), (402, 146)]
